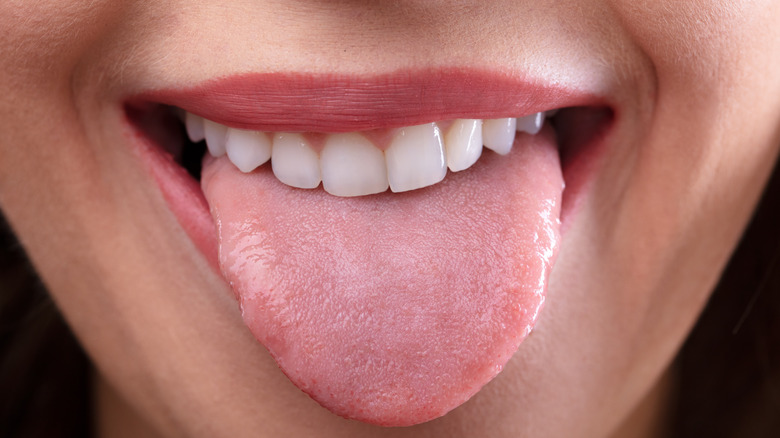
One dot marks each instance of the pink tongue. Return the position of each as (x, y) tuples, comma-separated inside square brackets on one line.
[(392, 309)]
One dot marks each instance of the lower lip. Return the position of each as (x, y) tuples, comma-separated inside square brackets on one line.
[(179, 189), (581, 160)]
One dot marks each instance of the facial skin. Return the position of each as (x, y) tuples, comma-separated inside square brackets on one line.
[(696, 135)]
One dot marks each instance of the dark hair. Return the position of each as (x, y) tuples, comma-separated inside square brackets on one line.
[(728, 380), (44, 374), (729, 368)]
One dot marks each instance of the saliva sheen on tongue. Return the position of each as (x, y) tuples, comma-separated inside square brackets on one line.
[(393, 309)]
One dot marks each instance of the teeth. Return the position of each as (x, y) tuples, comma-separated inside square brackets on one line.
[(499, 134), (531, 124), (247, 149), (352, 166), (194, 126), (215, 137), (415, 158), (464, 144), (294, 162)]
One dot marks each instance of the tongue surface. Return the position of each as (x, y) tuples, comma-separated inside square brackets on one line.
[(392, 309)]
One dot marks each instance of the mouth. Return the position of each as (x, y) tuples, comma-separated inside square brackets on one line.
[(388, 239)]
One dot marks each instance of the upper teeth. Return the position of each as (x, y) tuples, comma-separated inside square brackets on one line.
[(351, 165)]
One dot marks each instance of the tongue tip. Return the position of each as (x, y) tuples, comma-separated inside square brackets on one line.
[(400, 405), (394, 410), (400, 410)]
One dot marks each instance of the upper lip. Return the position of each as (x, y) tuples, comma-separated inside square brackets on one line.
[(304, 102)]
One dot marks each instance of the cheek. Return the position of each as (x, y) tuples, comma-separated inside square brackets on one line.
[(713, 135), (702, 47), (712, 132), (47, 172), (650, 247), (43, 40), (42, 45), (709, 148)]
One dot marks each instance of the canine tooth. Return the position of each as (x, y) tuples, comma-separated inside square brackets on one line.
[(352, 166), (194, 126), (464, 143), (247, 150), (215, 137), (531, 124), (416, 158), (499, 134), (294, 162)]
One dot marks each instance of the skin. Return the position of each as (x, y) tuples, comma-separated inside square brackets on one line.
[(699, 132)]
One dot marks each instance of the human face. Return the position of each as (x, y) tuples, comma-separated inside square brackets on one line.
[(685, 97)]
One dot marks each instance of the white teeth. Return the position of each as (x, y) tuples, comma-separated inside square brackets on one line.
[(352, 166), (215, 137), (294, 162), (194, 126), (464, 144), (531, 124), (499, 134), (247, 149), (415, 158)]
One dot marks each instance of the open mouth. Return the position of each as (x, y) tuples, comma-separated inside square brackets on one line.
[(386, 288)]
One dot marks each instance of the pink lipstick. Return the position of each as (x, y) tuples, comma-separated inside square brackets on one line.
[(298, 102)]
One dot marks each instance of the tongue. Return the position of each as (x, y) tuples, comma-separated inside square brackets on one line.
[(392, 309)]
